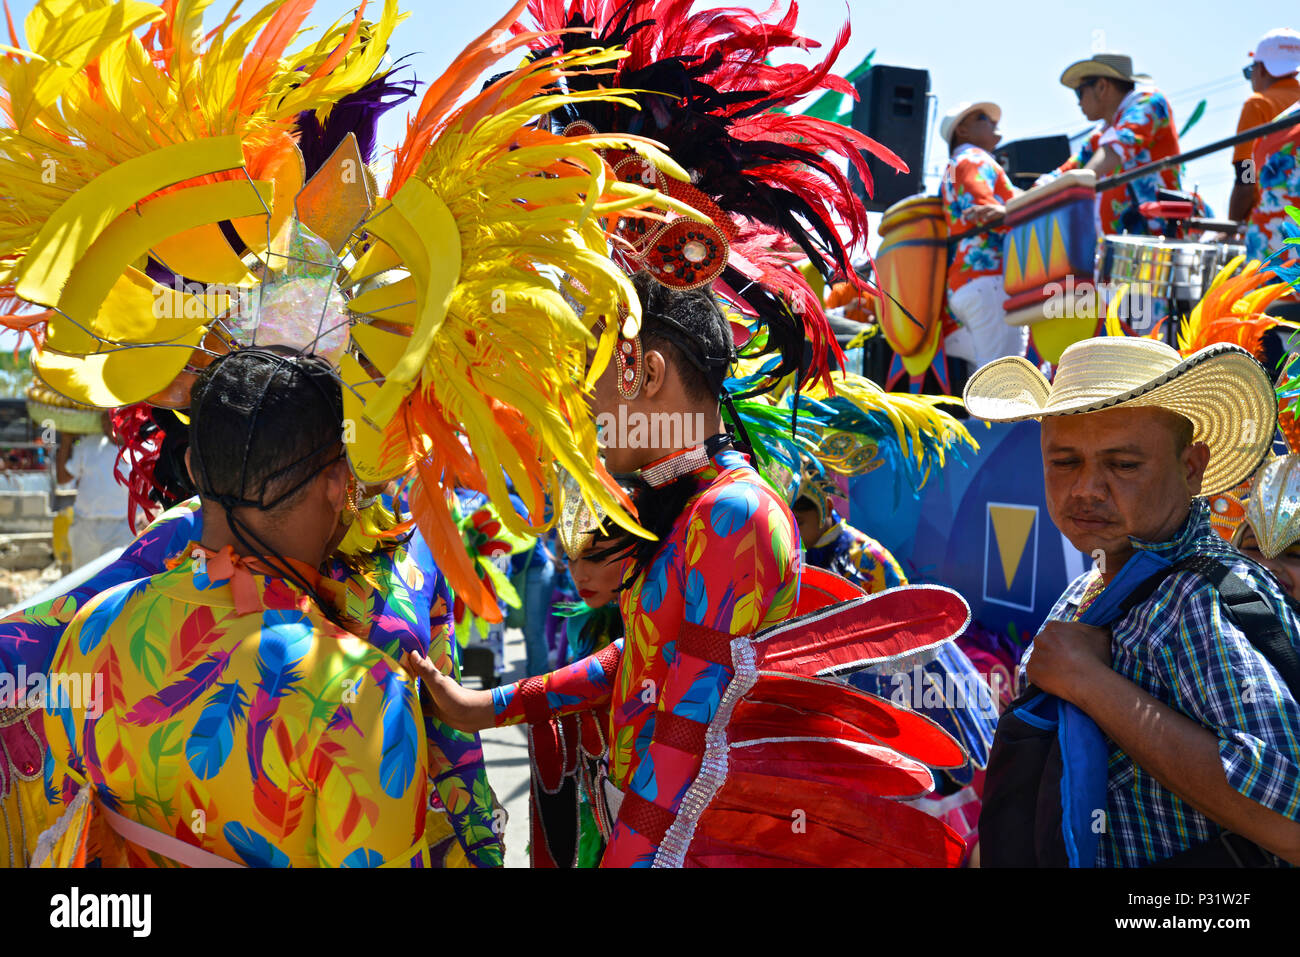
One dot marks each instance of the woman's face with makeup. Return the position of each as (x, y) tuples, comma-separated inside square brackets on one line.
[(597, 579)]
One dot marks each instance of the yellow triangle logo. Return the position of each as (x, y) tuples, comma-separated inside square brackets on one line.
[(1035, 271), (1011, 527)]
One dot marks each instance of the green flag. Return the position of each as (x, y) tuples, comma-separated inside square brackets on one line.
[(1192, 120), (831, 105)]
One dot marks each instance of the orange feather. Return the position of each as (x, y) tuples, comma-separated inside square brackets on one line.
[(260, 64), (464, 71), (341, 51)]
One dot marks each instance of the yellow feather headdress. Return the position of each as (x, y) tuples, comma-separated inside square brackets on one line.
[(467, 364), (119, 149)]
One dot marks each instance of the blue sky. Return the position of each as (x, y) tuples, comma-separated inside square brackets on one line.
[(1009, 51)]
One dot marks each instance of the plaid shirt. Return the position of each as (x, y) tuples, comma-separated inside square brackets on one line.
[(1180, 647)]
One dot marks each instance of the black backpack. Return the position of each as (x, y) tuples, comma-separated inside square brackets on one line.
[(1021, 822)]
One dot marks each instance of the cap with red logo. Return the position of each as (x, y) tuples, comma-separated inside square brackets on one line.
[(1279, 51)]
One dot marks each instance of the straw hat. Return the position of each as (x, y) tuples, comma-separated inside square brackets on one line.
[(1117, 66), (1221, 389)]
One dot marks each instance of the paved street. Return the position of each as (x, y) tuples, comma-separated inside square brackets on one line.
[(506, 752)]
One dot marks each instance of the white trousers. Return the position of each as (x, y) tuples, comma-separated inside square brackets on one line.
[(984, 334)]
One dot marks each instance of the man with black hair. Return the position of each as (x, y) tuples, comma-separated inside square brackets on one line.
[(1136, 127), (238, 719), (726, 563)]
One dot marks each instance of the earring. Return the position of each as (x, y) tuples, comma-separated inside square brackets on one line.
[(631, 367)]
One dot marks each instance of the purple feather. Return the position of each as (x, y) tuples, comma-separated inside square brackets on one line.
[(176, 697), (342, 719), (357, 113)]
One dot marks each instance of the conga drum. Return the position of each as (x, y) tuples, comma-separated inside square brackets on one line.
[(1048, 254), (911, 265)]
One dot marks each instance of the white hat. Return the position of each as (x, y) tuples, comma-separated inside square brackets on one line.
[(1225, 393), (1279, 51), (952, 119)]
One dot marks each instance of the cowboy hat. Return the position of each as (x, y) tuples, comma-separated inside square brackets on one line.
[(952, 119), (1116, 66), (1221, 389)]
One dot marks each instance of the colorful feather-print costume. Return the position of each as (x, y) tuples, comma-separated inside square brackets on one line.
[(731, 565), (720, 736), (241, 722), (398, 591)]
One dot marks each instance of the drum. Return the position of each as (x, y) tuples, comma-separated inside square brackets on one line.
[(1170, 269), (911, 267), (1164, 276), (1050, 245), (1048, 254)]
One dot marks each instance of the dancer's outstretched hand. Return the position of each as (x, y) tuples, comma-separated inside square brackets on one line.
[(459, 707)]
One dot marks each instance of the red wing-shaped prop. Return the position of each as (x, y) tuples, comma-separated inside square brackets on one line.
[(856, 634), (762, 820), (905, 731), (856, 765)]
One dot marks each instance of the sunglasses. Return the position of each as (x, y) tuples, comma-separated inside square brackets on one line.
[(1248, 71), (1078, 90)]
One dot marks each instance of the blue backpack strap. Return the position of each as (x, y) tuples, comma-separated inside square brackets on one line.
[(1085, 752)]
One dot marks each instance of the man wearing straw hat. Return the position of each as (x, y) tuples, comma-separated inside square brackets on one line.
[(1204, 733), (974, 190), (1137, 127)]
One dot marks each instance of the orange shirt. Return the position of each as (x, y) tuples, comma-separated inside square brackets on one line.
[(856, 307), (1260, 108)]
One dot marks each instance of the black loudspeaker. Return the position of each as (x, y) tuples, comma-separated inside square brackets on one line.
[(1026, 160), (892, 108)]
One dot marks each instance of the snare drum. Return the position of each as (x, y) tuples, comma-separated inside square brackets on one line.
[(1172, 270), (1164, 276)]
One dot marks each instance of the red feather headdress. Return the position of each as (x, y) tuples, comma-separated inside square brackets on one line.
[(709, 93)]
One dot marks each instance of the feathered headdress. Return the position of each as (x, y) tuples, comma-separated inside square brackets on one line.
[(448, 283), (863, 427), (144, 179), (1273, 508), (802, 437), (767, 179)]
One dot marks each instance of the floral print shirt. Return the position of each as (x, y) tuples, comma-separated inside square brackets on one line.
[(1279, 187), (1141, 132), (973, 178)]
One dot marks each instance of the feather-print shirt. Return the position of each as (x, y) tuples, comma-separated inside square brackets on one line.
[(233, 715), (729, 567), (398, 591)]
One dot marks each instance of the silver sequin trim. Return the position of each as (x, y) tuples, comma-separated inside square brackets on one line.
[(713, 768)]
